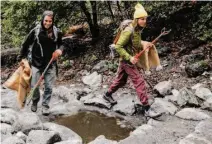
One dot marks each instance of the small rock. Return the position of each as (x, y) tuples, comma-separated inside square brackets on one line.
[(192, 114), (207, 104), (43, 137), (182, 65), (162, 106), (100, 65), (164, 88)]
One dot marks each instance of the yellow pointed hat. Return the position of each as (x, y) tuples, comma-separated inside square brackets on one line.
[(139, 11)]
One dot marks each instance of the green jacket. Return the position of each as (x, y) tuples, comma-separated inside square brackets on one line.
[(129, 43)]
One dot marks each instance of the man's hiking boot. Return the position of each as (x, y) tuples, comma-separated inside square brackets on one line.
[(109, 98), (45, 110), (34, 107), (145, 110)]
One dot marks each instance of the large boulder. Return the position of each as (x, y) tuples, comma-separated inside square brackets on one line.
[(203, 93), (201, 135), (29, 121)]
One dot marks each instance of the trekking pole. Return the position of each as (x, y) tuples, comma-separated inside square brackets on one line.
[(39, 81), (163, 32)]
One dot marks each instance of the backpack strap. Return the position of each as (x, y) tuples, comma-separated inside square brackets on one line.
[(37, 31), (55, 31)]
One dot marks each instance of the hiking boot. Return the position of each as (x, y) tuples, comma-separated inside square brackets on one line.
[(109, 99), (45, 110), (34, 107)]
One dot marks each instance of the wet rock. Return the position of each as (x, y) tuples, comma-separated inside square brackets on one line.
[(164, 88), (186, 97), (162, 106), (21, 135), (93, 80), (29, 121), (201, 135), (64, 132), (192, 114), (203, 93), (207, 104), (102, 140), (13, 140), (196, 69), (95, 99), (43, 137)]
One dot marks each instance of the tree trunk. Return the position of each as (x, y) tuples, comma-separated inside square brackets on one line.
[(94, 28), (95, 23), (119, 8), (110, 9)]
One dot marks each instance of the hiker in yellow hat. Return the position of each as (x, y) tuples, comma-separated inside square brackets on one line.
[(150, 58), (128, 44)]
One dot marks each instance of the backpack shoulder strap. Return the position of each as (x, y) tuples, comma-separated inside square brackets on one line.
[(37, 31), (55, 31)]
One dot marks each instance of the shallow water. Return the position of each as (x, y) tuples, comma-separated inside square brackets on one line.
[(90, 125)]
